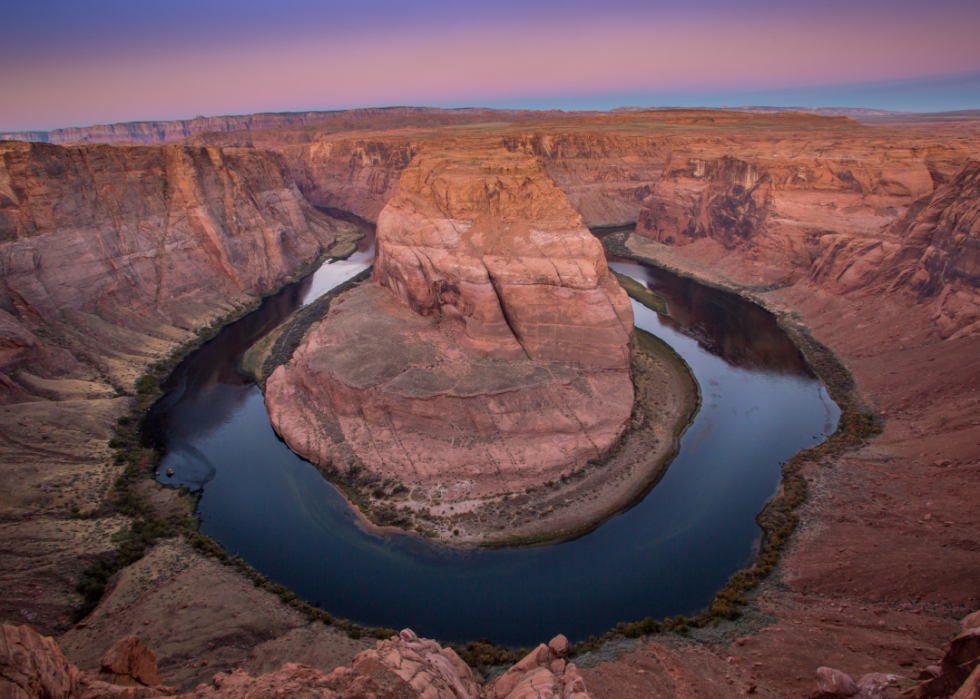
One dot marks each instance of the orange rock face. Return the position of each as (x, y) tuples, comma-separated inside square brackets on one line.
[(493, 352), (397, 388), (487, 241)]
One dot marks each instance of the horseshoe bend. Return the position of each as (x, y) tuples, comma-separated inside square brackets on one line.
[(490, 355), (489, 384)]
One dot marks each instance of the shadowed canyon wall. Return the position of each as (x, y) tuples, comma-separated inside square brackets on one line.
[(143, 237)]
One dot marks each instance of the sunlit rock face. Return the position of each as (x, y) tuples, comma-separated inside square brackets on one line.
[(491, 244), (491, 353)]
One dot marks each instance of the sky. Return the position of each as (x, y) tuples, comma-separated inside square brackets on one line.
[(67, 63)]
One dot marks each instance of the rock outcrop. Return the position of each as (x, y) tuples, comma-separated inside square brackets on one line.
[(110, 259), (32, 665), (402, 667), (957, 675), (544, 672), (493, 352), (939, 260), (785, 209), (130, 662), (147, 228)]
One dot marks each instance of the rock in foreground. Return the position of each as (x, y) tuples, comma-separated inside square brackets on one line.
[(403, 667)]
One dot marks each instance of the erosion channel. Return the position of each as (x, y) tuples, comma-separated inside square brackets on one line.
[(667, 555)]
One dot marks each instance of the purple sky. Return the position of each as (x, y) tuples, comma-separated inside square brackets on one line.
[(73, 64)]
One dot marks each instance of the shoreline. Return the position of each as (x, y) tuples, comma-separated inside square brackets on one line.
[(543, 514)]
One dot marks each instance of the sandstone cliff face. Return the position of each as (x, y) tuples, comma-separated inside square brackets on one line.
[(357, 175), (150, 238), (399, 390), (878, 221), (606, 177), (493, 352), (940, 255), (786, 207), (488, 241)]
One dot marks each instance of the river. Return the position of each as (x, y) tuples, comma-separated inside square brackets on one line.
[(668, 555)]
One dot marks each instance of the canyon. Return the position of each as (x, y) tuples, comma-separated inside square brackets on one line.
[(867, 237)]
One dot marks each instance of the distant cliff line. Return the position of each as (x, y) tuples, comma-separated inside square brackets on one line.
[(164, 131)]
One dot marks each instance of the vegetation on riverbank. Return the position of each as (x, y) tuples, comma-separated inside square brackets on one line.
[(779, 517), (277, 348), (641, 294), (129, 495)]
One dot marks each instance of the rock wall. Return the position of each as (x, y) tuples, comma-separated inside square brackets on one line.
[(356, 175), (145, 236), (939, 258), (606, 177), (164, 131), (881, 220), (786, 207)]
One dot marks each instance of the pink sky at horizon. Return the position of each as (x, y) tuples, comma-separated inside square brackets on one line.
[(490, 65)]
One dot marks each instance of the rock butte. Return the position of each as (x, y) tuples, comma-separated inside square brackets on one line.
[(866, 236), (491, 354)]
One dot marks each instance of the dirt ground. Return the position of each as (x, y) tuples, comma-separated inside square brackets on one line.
[(201, 618)]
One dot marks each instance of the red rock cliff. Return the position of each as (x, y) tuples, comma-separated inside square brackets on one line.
[(486, 240), (148, 238)]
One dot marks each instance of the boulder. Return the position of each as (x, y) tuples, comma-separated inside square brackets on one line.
[(831, 684), (971, 687), (32, 666), (963, 649), (541, 674), (129, 658), (970, 621), (873, 686)]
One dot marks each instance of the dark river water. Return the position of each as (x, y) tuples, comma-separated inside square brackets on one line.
[(668, 555)]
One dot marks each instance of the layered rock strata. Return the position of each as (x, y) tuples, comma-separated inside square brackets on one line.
[(872, 225), (487, 241), (493, 351), (124, 248)]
